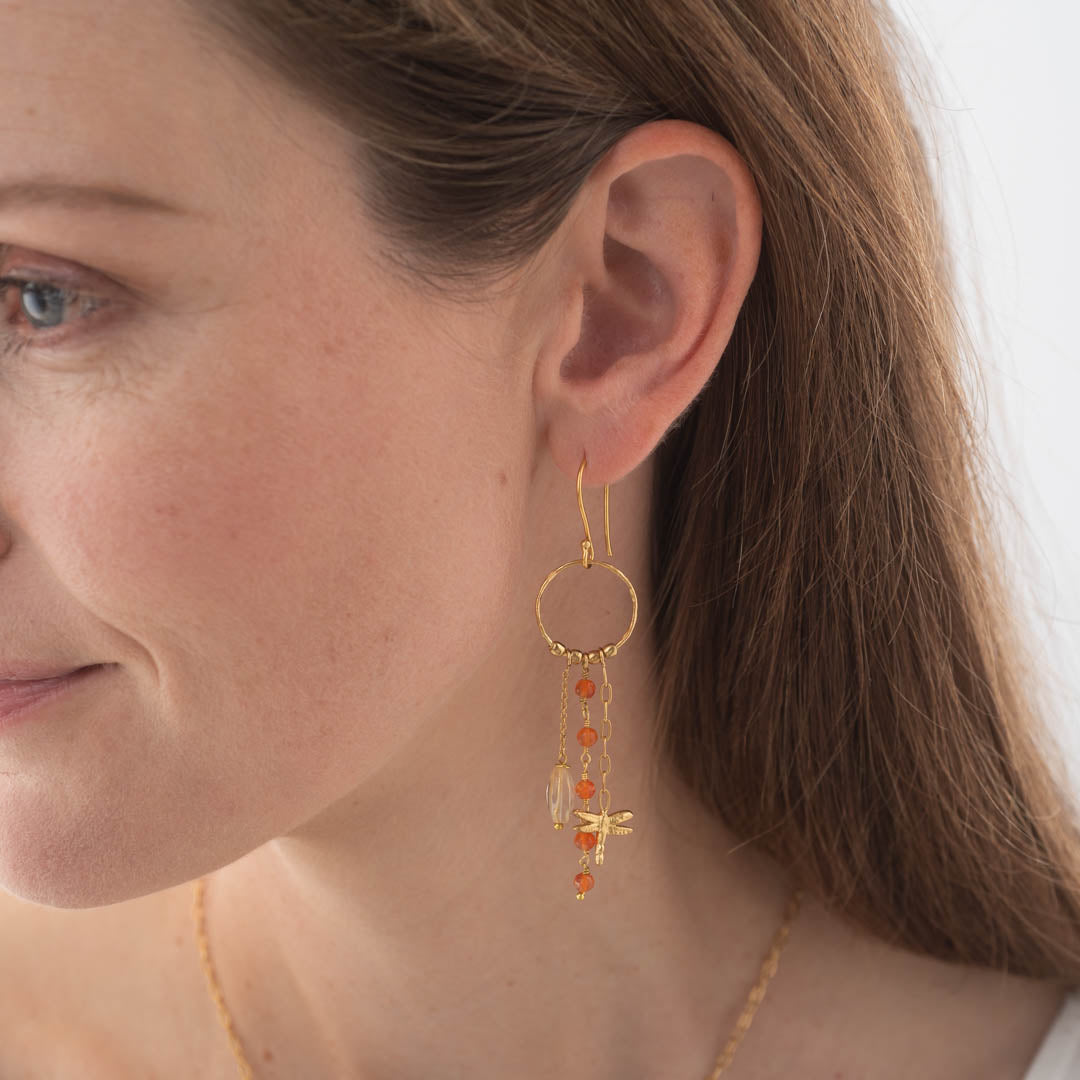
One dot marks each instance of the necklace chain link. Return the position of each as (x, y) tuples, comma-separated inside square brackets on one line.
[(757, 993)]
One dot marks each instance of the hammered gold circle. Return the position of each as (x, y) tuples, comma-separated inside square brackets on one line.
[(585, 652)]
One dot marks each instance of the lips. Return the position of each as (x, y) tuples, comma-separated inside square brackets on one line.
[(19, 697), (28, 671)]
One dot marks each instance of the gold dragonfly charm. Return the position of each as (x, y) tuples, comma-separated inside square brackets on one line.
[(604, 825)]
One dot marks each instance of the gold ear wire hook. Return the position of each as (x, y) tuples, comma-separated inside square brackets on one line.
[(587, 553)]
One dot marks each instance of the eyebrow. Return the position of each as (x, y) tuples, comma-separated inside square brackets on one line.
[(45, 190)]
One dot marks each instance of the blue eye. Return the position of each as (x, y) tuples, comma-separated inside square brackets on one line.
[(45, 305)]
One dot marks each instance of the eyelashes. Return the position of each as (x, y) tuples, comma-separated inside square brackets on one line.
[(34, 296)]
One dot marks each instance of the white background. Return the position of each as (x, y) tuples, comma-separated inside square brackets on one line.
[(1005, 118)]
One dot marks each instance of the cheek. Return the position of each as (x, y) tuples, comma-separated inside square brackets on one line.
[(308, 550)]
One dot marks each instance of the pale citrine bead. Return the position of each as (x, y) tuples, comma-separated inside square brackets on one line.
[(560, 794)]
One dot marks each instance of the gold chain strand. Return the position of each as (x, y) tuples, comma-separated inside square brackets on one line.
[(605, 734), (562, 716), (215, 987), (768, 970), (560, 782)]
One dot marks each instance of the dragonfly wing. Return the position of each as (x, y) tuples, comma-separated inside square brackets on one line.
[(589, 822)]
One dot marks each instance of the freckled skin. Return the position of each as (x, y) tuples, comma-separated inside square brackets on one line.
[(303, 509), (210, 494)]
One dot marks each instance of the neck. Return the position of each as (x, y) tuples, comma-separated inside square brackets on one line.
[(429, 914), (324, 963)]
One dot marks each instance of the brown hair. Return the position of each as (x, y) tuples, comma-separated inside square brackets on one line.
[(840, 674)]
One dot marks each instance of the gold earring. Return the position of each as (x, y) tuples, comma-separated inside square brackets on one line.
[(593, 829)]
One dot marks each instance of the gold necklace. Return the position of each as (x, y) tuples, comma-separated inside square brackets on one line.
[(768, 970)]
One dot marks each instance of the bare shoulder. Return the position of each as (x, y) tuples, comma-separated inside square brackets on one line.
[(1009, 1016), (909, 1014), (97, 993), (975, 1021)]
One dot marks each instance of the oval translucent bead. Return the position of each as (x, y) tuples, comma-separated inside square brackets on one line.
[(560, 794)]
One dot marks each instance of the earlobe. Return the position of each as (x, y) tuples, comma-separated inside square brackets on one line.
[(667, 247)]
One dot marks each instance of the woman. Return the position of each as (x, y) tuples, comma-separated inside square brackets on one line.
[(319, 318)]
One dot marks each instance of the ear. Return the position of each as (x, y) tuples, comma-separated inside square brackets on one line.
[(655, 261)]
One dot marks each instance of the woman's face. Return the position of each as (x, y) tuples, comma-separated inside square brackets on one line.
[(273, 488)]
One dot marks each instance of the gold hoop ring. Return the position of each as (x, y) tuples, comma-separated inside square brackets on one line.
[(556, 647)]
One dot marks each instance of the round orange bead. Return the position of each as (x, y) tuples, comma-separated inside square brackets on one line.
[(584, 882), (587, 736), (586, 841), (585, 788), (585, 688)]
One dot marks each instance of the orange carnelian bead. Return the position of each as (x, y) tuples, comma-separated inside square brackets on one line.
[(586, 841), (585, 688), (587, 736), (585, 788), (584, 882)]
